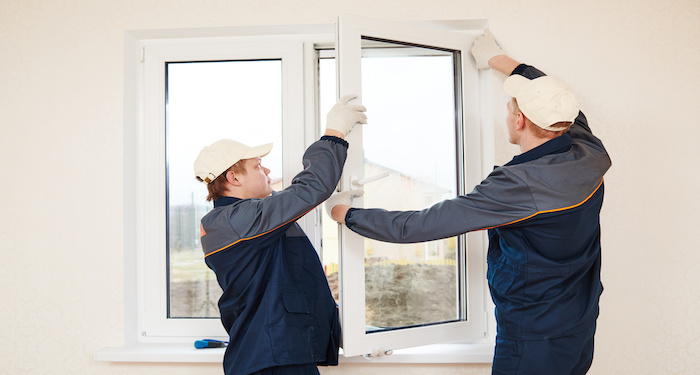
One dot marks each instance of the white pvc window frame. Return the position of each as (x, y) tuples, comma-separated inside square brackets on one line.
[(154, 325), (149, 335), (356, 340)]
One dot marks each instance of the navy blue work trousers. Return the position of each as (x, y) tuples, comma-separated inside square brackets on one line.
[(570, 355), (306, 369)]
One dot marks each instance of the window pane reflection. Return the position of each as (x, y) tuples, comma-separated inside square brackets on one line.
[(410, 95), (208, 101)]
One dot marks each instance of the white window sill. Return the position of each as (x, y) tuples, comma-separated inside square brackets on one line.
[(481, 352)]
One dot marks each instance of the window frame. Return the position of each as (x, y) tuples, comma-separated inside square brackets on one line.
[(137, 265), (153, 322), (472, 324)]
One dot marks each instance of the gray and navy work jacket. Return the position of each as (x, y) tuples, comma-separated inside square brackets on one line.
[(276, 305), (542, 215)]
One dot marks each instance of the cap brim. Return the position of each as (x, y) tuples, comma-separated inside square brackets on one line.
[(258, 151), (514, 84)]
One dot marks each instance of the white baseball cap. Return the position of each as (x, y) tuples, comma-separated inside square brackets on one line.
[(544, 100), (213, 160)]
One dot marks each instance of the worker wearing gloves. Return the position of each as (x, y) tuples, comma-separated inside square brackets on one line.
[(276, 305), (541, 211)]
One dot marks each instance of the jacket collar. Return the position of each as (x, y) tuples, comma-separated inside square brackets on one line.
[(225, 201), (554, 146)]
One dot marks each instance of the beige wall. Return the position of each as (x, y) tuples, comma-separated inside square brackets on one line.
[(633, 63)]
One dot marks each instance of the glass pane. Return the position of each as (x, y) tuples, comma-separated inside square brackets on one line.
[(410, 95), (208, 101)]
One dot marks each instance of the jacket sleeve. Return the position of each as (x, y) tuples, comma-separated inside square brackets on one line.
[(323, 164), (502, 198)]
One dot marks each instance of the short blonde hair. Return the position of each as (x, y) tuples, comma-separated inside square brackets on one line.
[(538, 131)]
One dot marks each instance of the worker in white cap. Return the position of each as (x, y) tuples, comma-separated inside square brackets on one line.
[(542, 213), (276, 305)]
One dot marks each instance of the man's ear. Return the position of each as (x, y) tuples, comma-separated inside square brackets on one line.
[(231, 178), (520, 121)]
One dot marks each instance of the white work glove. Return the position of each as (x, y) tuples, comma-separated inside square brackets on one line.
[(344, 197), (484, 48), (342, 117)]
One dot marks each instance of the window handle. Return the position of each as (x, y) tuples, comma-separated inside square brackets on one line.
[(355, 182), (378, 353)]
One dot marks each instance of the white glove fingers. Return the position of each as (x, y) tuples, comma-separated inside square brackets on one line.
[(358, 113), (343, 117), (358, 108), (358, 117), (346, 98), (357, 193), (484, 48), (361, 116), (344, 198)]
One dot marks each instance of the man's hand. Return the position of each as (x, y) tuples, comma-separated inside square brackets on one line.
[(484, 48), (342, 201), (342, 117)]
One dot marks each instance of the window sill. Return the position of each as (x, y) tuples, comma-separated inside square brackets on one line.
[(481, 352)]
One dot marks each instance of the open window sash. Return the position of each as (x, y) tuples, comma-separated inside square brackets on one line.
[(467, 319)]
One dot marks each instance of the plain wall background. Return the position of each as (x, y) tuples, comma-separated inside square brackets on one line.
[(632, 63)]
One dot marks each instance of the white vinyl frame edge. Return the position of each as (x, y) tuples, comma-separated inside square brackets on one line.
[(467, 352), (356, 341), (137, 349), (154, 326)]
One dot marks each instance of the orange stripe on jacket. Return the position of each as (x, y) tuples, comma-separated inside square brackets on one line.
[(259, 235), (548, 211)]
